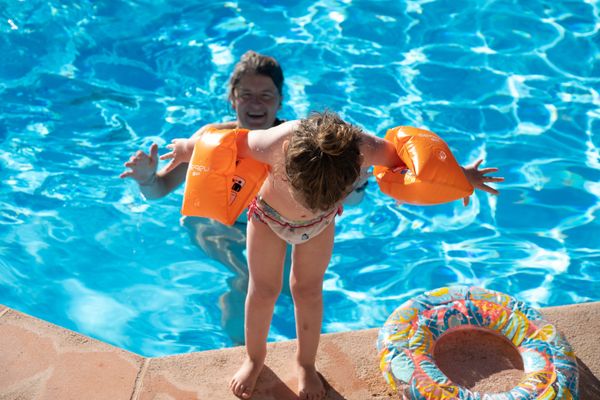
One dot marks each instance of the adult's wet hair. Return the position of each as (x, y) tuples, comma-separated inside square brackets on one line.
[(254, 63), (322, 160)]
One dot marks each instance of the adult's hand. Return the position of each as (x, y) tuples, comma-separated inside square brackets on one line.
[(142, 166)]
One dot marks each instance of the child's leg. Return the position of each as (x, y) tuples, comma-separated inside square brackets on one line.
[(266, 253), (309, 263)]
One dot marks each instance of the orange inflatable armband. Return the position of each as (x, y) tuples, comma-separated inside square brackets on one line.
[(218, 184), (430, 174)]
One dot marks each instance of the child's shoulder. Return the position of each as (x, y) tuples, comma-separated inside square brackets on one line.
[(267, 145), (274, 136), (377, 151), (285, 128)]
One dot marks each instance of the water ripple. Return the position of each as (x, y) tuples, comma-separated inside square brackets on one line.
[(82, 86)]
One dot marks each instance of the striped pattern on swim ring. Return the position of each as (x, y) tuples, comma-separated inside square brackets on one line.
[(407, 338)]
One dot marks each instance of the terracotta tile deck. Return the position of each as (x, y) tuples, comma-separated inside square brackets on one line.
[(42, 361)]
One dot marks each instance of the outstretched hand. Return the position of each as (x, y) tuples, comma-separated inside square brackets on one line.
[(180, 153), (142, 166), (479, 179)]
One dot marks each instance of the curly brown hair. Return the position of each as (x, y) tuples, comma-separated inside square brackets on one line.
[(252, 62), (323, 159)]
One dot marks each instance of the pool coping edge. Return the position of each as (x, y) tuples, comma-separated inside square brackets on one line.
[(345, 359)]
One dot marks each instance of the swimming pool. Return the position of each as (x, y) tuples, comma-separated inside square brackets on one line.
[(84, 84)]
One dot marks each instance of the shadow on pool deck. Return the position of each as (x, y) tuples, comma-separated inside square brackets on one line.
[(589, 384), (39, 360)]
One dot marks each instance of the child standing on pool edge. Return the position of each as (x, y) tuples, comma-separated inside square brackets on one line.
[(314, 164)]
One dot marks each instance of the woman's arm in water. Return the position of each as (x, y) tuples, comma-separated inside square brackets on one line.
[(142, 167)]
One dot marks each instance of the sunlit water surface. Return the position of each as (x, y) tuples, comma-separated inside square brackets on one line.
[(84, 84)]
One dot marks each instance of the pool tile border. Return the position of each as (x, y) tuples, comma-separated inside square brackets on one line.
[(39, 360)]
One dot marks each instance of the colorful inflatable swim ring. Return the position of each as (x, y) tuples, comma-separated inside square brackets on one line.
[(219, 185), (407, 339), (430, 174)]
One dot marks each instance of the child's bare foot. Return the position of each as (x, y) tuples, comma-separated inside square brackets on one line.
[(310, 385), (242, 383)]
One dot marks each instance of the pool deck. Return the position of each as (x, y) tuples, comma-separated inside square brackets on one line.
[(39, 360)]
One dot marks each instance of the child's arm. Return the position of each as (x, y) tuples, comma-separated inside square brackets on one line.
[(381, 152), (215, 126), (378, 151), (181, 152), (266, 146), (262, 145)]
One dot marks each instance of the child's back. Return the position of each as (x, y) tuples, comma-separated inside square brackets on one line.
[(314, 163)]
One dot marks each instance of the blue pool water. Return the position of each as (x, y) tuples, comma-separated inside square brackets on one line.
[(84, 84)]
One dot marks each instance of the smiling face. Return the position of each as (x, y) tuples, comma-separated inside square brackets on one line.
[(256, 101)]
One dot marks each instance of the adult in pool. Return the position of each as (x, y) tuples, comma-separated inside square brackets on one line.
[(255, 94)]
